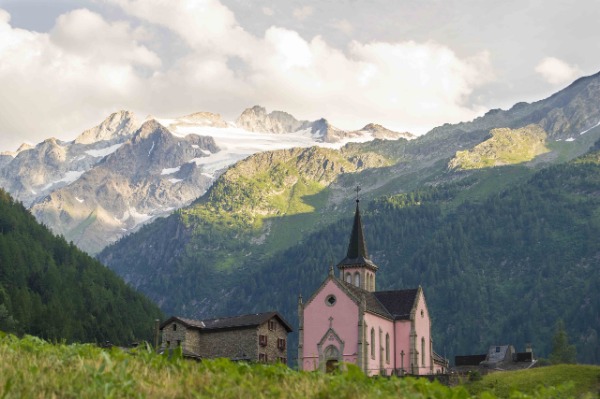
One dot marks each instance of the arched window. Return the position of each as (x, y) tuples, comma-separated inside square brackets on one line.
[(423, 351), (387, 348), (357, 279), (349, 278), (373, 343)]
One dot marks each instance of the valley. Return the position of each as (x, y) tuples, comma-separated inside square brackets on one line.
[(495, 218)]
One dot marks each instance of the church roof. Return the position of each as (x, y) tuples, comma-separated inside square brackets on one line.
[(398, 303), (357, 253), (395, 305), (373, 304), (242, 321)]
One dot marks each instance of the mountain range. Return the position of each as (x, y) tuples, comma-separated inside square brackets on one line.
[(123, 173), (268, 228), (496, 218)]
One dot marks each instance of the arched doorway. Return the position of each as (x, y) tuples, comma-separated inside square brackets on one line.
[(331, 366), (332, 358)]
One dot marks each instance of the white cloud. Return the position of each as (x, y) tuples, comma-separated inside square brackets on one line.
[(87, 67), (268, 11), (344, 26), (303, 12), (556, 71), (54, 82), (203, 24)]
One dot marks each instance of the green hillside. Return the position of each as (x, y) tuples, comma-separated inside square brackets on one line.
[(502, 269), (512, 222), (51, 289)]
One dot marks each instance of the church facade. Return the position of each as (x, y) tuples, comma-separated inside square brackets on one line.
[(347, 320)]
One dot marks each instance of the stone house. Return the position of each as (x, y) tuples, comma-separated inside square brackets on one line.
[(497, 358), (347, 320), (260, 337)]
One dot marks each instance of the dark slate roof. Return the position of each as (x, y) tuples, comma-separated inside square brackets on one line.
[(357, 253), (373, 305), (398, 303), (243, 321)]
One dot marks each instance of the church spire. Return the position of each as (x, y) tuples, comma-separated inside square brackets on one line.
[(357, 246), (356, 267)]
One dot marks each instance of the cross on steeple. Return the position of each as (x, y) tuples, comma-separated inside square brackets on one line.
[(357, 189)]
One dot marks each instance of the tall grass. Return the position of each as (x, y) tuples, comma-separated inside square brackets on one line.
[(33, 368)]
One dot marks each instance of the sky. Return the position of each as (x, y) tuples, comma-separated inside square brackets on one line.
[(409, 65)]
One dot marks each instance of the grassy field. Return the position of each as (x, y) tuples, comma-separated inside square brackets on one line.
[(560, 381), (33, 368)]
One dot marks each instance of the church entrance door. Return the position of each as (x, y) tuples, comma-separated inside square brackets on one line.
[(331, 366)]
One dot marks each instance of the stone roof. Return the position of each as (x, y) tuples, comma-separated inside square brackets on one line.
[(357, 253), (242, 321)]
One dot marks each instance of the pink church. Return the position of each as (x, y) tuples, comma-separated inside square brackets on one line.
[(346, 320)]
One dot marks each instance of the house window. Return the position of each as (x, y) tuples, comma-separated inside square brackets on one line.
[(178, 342), (423, 351), (262, 357), (357, 279), (422, 313), (348, 278), (272, 325), (372, 343), (281, 343), (387, 348), (168, 344), (174, 327), (262, 340), (330, 300)]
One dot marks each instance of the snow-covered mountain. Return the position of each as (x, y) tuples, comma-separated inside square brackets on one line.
[(152, 173), (122, 173), (256, 119), (32, 172)]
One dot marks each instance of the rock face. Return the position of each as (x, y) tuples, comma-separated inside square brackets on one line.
[(256, 119), (380, 132), (207, 119), (37, 171), (504, 147), (151, 174), (117, 126)]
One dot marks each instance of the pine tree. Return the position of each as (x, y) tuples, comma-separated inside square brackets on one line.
[(562, 352)]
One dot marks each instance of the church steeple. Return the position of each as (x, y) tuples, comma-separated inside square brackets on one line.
[(357, 247), (357, 268)]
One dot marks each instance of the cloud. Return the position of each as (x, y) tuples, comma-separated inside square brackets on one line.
[(303, 12), (86, 67), (205, 25), (556, 71), (114, 42), (268, 11), (344, 26), (53, 82)]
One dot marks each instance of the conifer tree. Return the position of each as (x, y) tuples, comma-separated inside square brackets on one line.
[(562, 352)]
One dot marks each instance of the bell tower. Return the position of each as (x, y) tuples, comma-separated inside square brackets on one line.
[(357, 268)]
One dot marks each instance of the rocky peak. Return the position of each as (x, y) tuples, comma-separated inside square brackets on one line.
[(326, 132), (380, 132), (203, 119), (119, 124), (256, 119), (151, 128)]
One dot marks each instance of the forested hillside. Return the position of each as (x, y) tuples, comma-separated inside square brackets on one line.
[(497, 271), (51, 289), (501, 240)]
